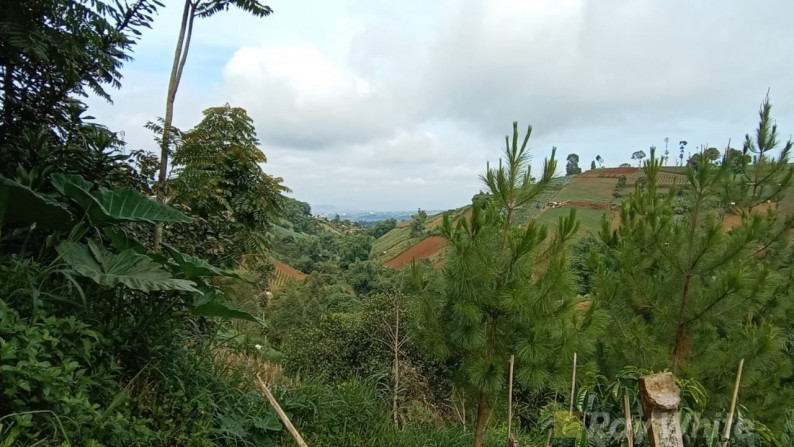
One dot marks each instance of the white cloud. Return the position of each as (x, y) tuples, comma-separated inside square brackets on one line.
[(384, 105), (300, 98), (410, 181)]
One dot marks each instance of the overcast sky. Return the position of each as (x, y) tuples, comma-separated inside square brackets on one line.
[(386, 105)]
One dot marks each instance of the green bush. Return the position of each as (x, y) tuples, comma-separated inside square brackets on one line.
[(355, 414), (59, 385), (336, 347)]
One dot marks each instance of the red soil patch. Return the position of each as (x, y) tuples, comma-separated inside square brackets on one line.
[(731, 221), (424, 249)]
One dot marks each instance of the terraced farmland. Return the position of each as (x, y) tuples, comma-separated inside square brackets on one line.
[(282, 274), (531, 209)]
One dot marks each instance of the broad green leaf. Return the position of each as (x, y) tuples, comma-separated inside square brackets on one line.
[(268, 422), (134, 270), (123, 242), (20, 204), (211, 304), (193, 267), (130, 205), (112, 206)]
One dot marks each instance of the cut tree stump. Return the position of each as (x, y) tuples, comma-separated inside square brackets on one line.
[(660, 398)]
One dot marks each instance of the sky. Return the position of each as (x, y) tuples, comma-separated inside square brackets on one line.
[(384, 105)]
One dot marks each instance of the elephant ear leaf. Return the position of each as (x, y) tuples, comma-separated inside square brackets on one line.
[(112, 206), (193, 267), (213, 304), (131, 206), (134, 270), (20, 204)]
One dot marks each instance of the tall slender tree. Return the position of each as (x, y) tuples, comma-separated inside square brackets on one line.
[(508, 289), (192, 9)]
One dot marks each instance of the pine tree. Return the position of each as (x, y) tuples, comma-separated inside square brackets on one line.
[(507, 289), (692, 288)]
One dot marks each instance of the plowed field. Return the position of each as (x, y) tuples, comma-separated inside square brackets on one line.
[(424, 249), (282, 274)]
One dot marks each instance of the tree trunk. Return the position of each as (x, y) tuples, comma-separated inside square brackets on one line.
[(173, 85), (482, 410), (660, 399), (682, 349)]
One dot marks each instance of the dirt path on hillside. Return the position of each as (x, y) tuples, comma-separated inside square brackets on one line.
[(424, 249)]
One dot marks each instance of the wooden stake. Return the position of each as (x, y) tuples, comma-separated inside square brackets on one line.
[(573, 385), (510, 402), (281, 415), (726, 437), (629, 428)]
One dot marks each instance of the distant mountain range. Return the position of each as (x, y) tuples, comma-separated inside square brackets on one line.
[(329, 211)]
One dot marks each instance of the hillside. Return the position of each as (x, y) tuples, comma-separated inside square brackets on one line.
[(393, 244), (593, 193)]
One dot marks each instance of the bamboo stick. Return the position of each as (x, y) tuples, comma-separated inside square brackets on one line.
[(726, 437), (629, 427), (510, 402), (573, 385), (281, 415)]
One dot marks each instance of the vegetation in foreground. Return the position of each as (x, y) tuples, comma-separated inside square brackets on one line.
[(105, 341)]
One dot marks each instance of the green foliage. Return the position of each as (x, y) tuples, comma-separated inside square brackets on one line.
[(217, 169), (131, 269), (133, 266), (58, 380), (52, 53), (418, 222), (572, 167), (20, 204), (113, 206), (366, 278), (336, 347), (767, 177), (711, 155), (299, 214), (685, 292), (495, 302), (354, 413), (382, 227), (191, 400), (639, 155), (600, 415), (218, 175)]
